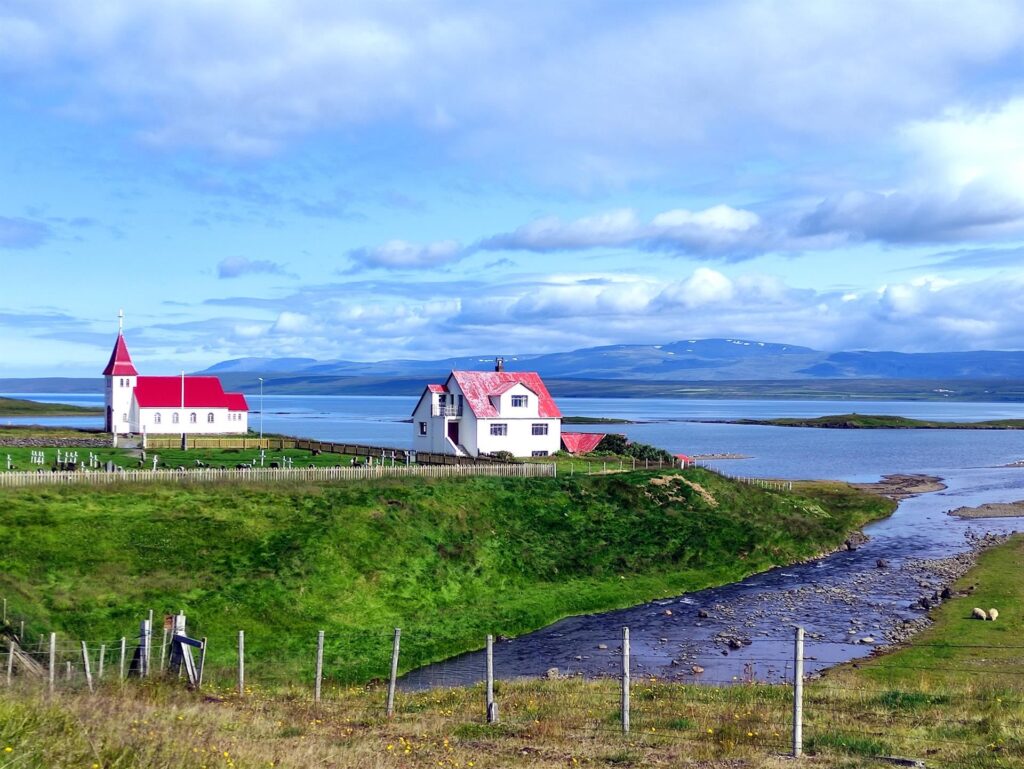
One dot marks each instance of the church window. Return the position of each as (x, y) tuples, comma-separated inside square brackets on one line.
[(156, 418), (174, 417), (192, 417), (124, 417), (209, 417)]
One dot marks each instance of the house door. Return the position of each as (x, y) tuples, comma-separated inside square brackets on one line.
[(453, 432)]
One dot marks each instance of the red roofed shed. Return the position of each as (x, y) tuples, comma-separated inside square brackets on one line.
[(581, 443)]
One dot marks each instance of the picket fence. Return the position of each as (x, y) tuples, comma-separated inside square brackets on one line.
[(249, 475)]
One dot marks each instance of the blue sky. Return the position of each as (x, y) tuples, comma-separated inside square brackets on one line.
[(367, 180)]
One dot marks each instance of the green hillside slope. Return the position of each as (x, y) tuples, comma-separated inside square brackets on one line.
[(447, 560)]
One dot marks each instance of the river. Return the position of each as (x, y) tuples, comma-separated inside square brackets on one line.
[(840, 599)]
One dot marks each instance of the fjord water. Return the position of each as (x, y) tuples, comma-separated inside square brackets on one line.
[(817, 595), (778, 452)]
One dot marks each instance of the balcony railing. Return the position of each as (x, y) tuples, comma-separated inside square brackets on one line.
[(447, 411)]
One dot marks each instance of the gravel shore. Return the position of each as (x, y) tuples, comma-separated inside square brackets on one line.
[(991, 510)]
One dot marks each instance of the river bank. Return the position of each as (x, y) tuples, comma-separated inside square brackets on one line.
[(874, 591)]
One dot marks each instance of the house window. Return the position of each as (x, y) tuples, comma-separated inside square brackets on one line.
[(538, 453), (156, 418), (423, 428), (209, 418), (499, 428), (520, 401), (192, 417), (539, 428), (174, 418)]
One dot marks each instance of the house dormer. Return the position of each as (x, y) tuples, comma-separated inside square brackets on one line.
[(515, 399)]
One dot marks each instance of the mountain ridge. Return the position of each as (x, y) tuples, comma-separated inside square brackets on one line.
[(716, 359)]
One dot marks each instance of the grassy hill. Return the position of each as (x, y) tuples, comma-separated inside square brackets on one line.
[(18, 407), (446, 560)]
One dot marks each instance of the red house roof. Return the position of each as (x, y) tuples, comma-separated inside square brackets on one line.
[(479, 386), (200, 392), (581, 443), (120, 363)]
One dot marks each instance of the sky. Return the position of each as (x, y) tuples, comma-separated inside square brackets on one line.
[(423, 179)]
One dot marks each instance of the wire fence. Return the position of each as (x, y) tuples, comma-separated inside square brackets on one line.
[(956, 709)]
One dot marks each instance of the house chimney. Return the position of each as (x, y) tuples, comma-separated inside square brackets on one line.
[(499, 364)]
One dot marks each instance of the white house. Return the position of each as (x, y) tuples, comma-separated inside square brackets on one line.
[(481, 412), (168, 404)]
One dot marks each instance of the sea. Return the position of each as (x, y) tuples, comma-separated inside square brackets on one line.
[(680, 426)]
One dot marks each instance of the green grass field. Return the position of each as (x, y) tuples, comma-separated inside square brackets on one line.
[(447, 560)]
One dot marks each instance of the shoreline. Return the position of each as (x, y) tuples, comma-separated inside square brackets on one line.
[(900, 486), (990, 510)]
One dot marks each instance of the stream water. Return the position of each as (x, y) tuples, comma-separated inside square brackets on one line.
[(840, 600)]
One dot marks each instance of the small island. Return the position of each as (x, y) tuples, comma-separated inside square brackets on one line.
[(18, 407), (876, 422)]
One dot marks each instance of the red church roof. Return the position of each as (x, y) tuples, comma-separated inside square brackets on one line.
[(120, 363), (201, 392), (479, 386), (581, 443)]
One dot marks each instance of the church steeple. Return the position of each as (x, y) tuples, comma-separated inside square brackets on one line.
[(121, 378), (120, 363)]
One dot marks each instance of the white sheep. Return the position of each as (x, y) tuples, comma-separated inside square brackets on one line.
[(978, 613), (993, 614)]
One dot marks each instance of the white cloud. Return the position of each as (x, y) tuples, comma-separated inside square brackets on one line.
[(584, 86), (400, 254), (237, 266), (720, 230)]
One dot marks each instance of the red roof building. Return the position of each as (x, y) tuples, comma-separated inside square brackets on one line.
[(581, 443), (168, 404), (486, 412)]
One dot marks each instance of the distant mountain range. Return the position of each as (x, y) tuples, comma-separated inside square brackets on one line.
[(695, 368), (689, 360)]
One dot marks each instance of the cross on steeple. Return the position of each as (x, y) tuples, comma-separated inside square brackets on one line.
[(120, 321)]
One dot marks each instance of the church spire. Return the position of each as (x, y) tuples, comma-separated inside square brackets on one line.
[(120, 363)]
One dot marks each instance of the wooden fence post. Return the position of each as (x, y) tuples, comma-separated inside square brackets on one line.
[(241, 663), (163, 650), (124, 645), (53, 659), (144, 636), (492, 706), (625, 680), (99, 667), (798, 693), (85, 666), (202, 663), (394, 672), (10, 661), (149, 642), (319, 665)]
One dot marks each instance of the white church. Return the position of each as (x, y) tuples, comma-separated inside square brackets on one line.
[(154, 405)]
